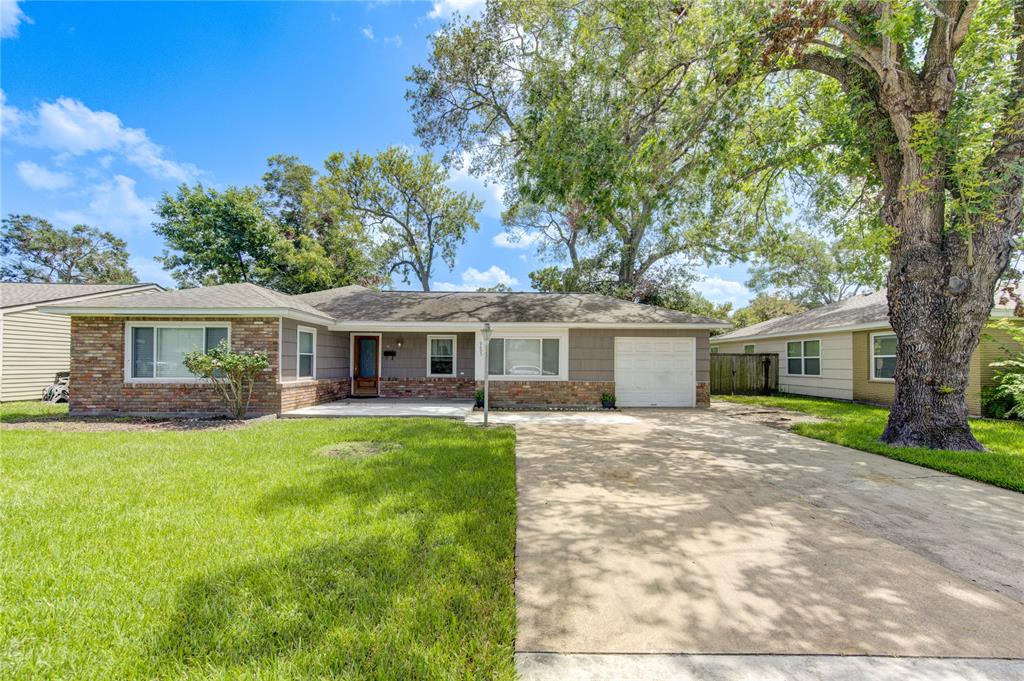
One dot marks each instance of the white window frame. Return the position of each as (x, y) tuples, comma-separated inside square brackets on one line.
[(562, 357), (803, 357), (455, 353), (752, 349), (872, 355), (298, 354), (128, 349)]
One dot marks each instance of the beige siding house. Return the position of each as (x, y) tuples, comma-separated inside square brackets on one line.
[(35, 345), (847, 351)]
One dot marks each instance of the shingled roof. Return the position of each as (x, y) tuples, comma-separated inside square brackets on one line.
[(17, 294), (865, 310), (358, 304), (208, 299)]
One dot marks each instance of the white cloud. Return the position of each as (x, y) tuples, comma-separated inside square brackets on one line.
[(367, 32), (12, 119), (519, 240), (719, 290), (11, 16), (114, 206), (472, 279), (151, 272), (38, 177), (395, 40), (68, 126), (443, 9), (491, 193)]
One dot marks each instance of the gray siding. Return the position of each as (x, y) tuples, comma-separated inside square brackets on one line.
[(410, 360), (592, 351), (331, 351)]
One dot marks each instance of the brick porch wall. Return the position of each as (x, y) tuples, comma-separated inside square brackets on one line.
[(97, 371), (548, 393), (428, 388), (308, 393)]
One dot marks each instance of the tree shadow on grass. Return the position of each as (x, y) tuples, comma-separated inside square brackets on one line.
[(416, 583), (373, 607)]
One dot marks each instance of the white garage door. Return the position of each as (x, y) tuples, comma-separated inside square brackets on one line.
[(654, 372)]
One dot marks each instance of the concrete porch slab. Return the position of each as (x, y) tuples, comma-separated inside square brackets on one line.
[(386, 408)]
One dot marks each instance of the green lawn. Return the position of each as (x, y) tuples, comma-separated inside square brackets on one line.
[(249, 554), (18, 411), (859, 426)]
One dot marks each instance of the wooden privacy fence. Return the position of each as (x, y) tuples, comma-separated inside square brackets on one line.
[(744, 373)]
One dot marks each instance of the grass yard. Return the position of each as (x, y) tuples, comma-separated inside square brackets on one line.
[(252, 554), (20, 411), (859, 426)]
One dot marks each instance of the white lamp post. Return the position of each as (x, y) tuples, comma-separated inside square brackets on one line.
[(487, 332)]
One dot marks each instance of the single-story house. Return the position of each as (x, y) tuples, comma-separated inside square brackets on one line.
[(546, 349), (34, 346), (847, 350)]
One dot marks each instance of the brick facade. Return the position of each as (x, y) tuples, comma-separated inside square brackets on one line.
[(98, 384), (547, 393), (307, 393), (703, 394), (428, 388)]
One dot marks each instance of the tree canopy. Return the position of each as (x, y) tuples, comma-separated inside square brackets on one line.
[(406, 202), (34, 250)]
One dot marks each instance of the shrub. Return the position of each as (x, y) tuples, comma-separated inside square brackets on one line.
[(1005, 399), (233, 373), (479, 397), (607, 399)]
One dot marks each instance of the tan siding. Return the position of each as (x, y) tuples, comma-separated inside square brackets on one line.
[(990, 349), (864, 388), (592, 351), (410, 360), (36, 345), (996, 345)]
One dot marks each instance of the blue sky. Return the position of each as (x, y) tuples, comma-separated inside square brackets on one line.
[(108, 105)]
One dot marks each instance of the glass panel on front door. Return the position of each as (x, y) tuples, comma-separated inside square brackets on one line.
[(367, 357)]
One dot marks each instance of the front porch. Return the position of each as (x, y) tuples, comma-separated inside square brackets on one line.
[(383, 407)]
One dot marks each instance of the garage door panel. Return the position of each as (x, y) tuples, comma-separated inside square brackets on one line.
[(654, 371)]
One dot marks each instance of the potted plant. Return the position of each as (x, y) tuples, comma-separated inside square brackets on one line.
[(607, 400), (479, 395)]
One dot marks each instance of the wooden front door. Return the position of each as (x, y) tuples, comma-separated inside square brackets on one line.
[(366, 365)]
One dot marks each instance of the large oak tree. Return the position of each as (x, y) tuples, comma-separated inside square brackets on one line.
[(934, 90)]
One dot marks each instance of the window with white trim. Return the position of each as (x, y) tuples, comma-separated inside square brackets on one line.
[(748, 349), (803, 358), (306, 350), (523, 357), (883, 356), (440, 355), (158, 351)]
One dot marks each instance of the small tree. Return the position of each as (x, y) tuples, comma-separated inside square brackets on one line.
[(234, 374)]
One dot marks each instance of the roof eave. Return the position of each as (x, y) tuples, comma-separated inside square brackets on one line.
[(343, 325), (80, 311), (141, 288)]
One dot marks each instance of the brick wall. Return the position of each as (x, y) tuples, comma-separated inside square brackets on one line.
[(703, 394), (428, 388), (307, 393), (97, 370), (547, 393)]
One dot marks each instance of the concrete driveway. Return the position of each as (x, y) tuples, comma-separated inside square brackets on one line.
[(692, 532)]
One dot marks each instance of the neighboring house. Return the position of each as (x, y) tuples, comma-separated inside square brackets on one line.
[(847, 350), (34, 346), (546, 349)]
